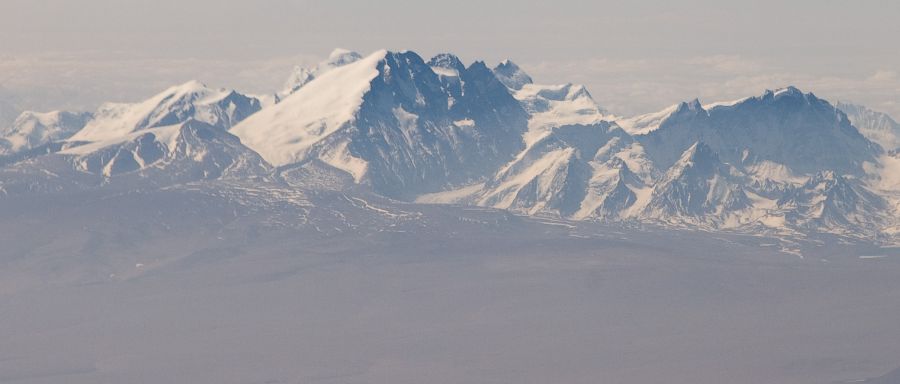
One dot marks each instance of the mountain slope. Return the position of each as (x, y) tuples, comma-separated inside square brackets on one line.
[(788, 127), (303, 75), (150, 158), (32, 129), (191, 100), (392, 123), (698, 188), (551, 175), (179, 135), (511, 75), (876, 126), (439, 131), (791, 161), (829, 201), (574, 164), (192, 150), (285, 132)]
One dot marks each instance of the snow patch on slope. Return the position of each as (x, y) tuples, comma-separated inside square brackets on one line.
[(452, 196), (341, 158), (541, 172)]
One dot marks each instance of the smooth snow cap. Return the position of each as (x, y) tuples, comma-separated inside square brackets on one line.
[(114, 120), (301, 75), (284, 133)]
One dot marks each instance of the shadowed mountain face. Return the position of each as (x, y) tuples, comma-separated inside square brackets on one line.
[(446, 136), (400, 127), (788, 127)]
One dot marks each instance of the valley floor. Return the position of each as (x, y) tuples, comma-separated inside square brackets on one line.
[(199, 286)]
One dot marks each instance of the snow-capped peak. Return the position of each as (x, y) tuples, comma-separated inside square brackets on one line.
[(553, 106), (698, 188), (446, 60), (301, 75), (187, 150), (644, 124), (441, 131), (340, 57), (786, 127), (33, 129), (876, 126), (511, 75), (698, 158), (446, 64), (391, 121), (689, 106), (768, 95), (283, 133), (789, 91), (191, 100)]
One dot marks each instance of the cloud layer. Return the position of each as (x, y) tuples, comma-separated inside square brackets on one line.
[(633, 86), (624, 86)]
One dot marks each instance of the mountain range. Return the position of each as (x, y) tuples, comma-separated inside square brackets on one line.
[(437, 131)]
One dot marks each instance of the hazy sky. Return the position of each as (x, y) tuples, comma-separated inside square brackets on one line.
[(634, 56)]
